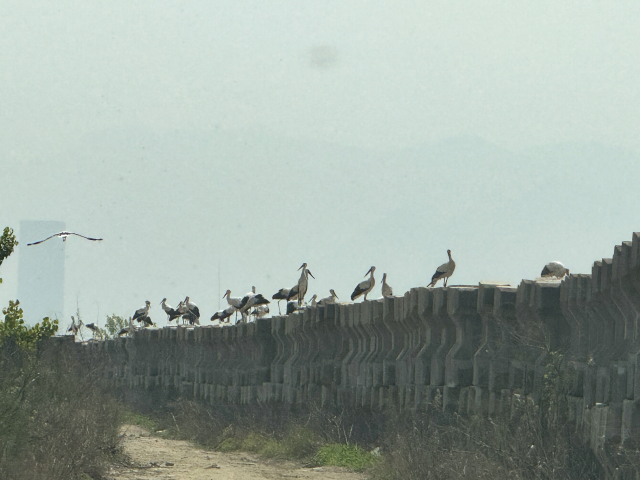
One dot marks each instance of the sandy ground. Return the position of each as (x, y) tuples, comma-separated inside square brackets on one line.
[(157, 458)]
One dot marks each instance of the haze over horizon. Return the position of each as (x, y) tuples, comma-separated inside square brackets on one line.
[(247, 139)]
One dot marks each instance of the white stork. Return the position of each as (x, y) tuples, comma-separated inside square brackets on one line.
[(292, 307), (551, 269), (387, 291), (251, 300), (130, 329), (93, 328), (223, 315), (169, 310), (64, 236), (193, 312), (365, 286), (328, 300), (444, 271), (74, 328), (142, 312), (313, 302), (232, 301), (282, 294), (301, 288), (260, 311)]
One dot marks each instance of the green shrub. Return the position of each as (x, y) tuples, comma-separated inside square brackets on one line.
[(341, 455)]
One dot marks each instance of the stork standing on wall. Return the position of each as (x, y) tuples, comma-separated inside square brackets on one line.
[(170, 311), (233, 301), (193, 312), (313, 302), (365, 286), (387, 291), (130, 329), (142, 312), (93, 328), (260, 311), (328, 300), (551, 269), (225, 314), (444, 271), (301, 288), (251, 300), (282, 294), (74, 328), (64, 236)]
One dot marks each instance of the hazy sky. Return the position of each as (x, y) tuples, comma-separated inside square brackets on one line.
[(249, 137)]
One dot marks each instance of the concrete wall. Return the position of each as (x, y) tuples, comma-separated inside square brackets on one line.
[(475, 348)]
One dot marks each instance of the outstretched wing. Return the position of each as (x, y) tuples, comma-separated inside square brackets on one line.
[(36, 243), (88, 238)]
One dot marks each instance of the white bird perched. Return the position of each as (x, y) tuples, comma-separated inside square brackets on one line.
[(142, 312), (313, 302), (74, 328), (64, 236), (130, 329), (387, 291), (93, 328), (260, 311), (182, 312), (193, 312), (292, 307), (282, 294), (223, 315), (251, 300), (300, 290), (365, 286), (234, 301), (444, 271), (328, 300), (554, 269), (170, 311)]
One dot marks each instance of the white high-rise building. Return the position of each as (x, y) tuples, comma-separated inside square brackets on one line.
[(41, 271)]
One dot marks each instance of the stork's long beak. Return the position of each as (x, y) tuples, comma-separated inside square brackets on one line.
[(302, 266), (310, 273), (225, 294), (368, 272)]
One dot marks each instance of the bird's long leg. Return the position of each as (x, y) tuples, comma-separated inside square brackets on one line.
[(279, 312)]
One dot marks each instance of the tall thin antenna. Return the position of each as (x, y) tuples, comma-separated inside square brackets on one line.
[(218, 285)]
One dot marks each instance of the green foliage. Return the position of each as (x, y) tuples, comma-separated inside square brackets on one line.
[(25, 337), (7, 244), (341, 455), (129, 417), (114, 324)]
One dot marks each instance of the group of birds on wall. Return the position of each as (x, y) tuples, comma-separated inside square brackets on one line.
[(189, 311)]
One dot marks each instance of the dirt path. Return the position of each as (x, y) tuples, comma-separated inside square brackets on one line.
[(158, 458)]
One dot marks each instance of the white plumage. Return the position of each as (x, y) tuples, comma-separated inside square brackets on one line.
[(387, 291), (64, 236), (365, 286), (142, 312), (444, 271), (328, 300), (554, 269)]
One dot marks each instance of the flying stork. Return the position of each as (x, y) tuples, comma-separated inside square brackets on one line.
[(444, 271), (64, 236), (387, 291), (328, 300), (551, 269), (365, 286)]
